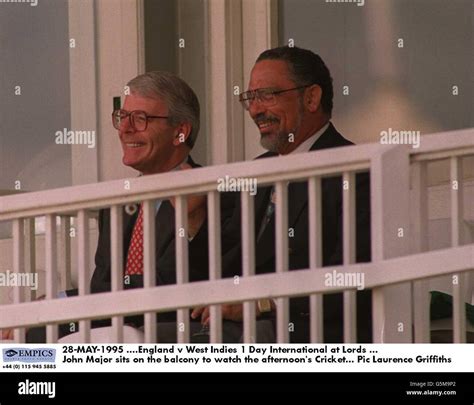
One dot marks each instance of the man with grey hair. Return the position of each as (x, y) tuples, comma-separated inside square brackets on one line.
[(157, 127), (162, 125)]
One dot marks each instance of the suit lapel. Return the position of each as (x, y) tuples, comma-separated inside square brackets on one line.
[(128, 221), (164, 224), (297, 197), (298, 191)]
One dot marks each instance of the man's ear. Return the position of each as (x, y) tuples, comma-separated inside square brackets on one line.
[(182, 133), (313, 98)]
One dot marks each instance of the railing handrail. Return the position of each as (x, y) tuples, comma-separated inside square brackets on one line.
[(444, 145), (294, 283), (321, 162), (92, 196)]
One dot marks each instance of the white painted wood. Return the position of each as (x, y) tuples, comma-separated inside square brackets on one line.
[(149, 261), (18, 267), (64, 256), (225, 72), (113, 70), (349, 252), (281, 247), (180, 183), (141, 36), (51, 271), (389, 169), (215, 271), (30, 254), (83, 267), (390, 219), (116, 260), (182, 265), (259, 32), (83, 88), (420, 289), (296, 282), (459, 311), (248, 262), (315, 256)]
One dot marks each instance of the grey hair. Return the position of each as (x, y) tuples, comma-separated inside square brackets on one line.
[(181, 100)]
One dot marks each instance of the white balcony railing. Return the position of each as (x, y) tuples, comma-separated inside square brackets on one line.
[(397, 274)]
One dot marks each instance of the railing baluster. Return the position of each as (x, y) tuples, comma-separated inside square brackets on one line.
[(51, 271), (30, 258), (116, 243), (215, 271), (83, 268), (182, 263), (248, 262), (281, 245), (349, 244), (315, 256), (18, 267), (65, 248), (149, 257), (420, 289), (459, 312)]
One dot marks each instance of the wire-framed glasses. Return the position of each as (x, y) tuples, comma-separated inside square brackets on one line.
[(264, 96)]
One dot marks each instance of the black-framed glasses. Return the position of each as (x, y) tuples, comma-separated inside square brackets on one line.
[(138, 119), (266, 96)]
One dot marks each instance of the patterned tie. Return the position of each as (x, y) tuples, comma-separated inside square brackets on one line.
[(135, 250)]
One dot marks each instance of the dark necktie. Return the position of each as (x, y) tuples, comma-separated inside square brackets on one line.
[(269, 212)]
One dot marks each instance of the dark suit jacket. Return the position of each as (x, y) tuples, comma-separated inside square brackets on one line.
[(298, 244), (165, 253), (165, 260)]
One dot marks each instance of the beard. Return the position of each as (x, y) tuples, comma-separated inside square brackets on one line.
[(280, 142), (275, 143), (283, 139)]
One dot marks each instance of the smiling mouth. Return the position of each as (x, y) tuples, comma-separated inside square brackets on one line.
[(264, 126), (134, 145)]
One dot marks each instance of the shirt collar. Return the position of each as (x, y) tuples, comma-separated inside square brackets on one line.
[(306, 145), (174, 169)]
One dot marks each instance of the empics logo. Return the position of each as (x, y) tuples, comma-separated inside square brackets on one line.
[(10, 353), (41, 355), (28, 387)]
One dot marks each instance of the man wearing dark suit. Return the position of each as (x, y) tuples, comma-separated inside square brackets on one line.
[(157, 127), (290, 100)]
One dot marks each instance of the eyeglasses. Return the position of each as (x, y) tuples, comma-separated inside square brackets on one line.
[(138, 119), (266, 97)]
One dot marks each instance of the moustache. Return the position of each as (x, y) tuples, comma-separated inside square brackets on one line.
[(263, 118)]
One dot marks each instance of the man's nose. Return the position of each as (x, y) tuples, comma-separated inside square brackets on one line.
[(126, 125), (255, 108)]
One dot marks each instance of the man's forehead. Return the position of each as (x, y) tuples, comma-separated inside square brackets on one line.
[(146, 101), (270, 73)]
